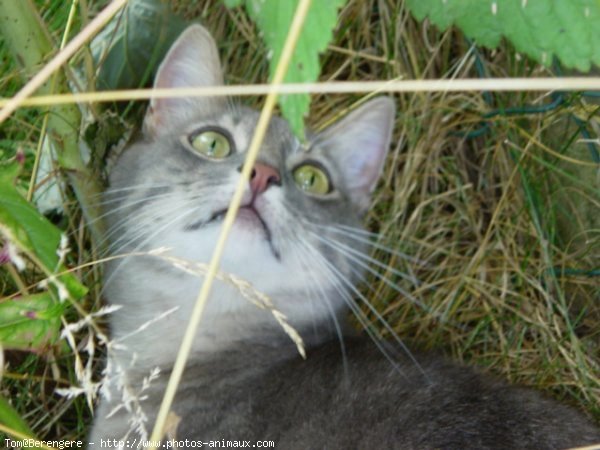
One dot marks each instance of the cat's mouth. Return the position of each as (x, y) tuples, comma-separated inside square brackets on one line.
[(246, 214)]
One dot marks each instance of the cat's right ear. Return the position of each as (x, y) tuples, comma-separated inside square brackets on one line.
[(359, 143), (192, 61)]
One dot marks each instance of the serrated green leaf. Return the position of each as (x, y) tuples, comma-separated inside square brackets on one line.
[(11, 419), (274, 18), (481, 17), (541, 29), (31, 232), (575, 36), (30, 323)]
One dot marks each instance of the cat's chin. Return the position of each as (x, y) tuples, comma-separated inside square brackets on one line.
[(248, 220)]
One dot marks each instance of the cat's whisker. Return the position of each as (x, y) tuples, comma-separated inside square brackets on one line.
[(301, 254), (348, 253), (116, 195), (339, 281), (110, 197), (346, 287), (135, 188), (146, 215), (117, 251), (355, 233), (142, 230), (122, 207), (233, 106), (123, 198), (377, 263), (116, 227), (372, 239), (352, 254), (137, 219), (149, 213)]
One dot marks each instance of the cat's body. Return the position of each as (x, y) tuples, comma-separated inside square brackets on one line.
[(300, 221), (360, 401)]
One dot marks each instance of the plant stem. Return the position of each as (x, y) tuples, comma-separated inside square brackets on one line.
[(30, 44)]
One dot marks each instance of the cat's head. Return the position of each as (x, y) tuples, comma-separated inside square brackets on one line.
[(302, 203)]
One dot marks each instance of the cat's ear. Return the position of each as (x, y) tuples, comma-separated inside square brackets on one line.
[(359, 143), (192, 61)]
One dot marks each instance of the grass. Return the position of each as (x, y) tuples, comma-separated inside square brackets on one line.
[(498, 213)]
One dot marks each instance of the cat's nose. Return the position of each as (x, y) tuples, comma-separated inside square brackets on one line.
[(262, 177)]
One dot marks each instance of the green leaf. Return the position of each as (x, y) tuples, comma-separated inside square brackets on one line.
[(138, 39), (274, 18), (541, 29), (23, 226), (10, 418), (30, 323), (10, 171)]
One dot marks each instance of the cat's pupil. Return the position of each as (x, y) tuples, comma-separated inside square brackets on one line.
[(211, 143), (312, 179)]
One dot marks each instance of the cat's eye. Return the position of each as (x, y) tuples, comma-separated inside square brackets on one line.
[(211, 143), (312, 179)]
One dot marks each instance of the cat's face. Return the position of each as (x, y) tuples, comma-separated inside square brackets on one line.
[(173, 188)]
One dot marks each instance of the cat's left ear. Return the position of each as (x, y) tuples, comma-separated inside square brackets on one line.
[(359, 144), (192, 61)]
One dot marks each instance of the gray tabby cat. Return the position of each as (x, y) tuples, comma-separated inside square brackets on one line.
[(301, 213)]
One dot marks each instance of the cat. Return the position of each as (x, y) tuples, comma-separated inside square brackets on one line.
[(301, 212)]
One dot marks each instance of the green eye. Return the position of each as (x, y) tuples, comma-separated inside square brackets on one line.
[(311, 179), (211, 143)]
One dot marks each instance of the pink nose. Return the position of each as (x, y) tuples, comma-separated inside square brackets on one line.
[(262, 177)]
